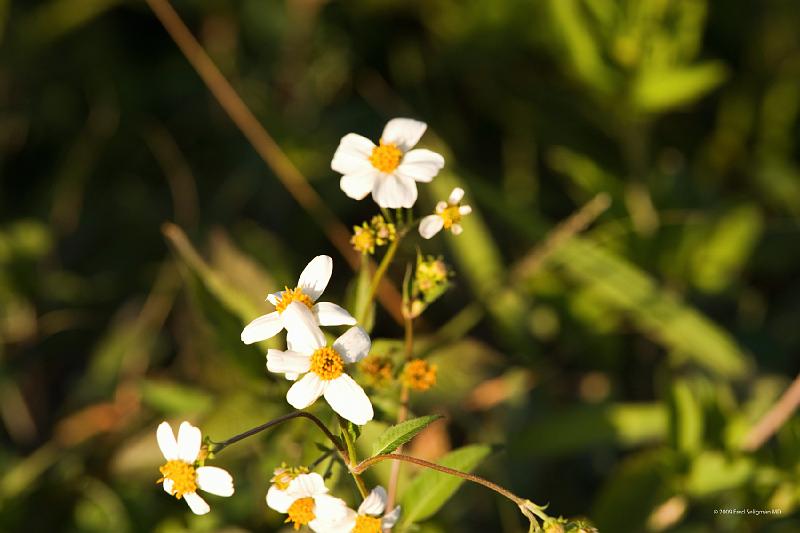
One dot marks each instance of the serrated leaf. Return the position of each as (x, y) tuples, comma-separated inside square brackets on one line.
[(399, 434), (430, 490)]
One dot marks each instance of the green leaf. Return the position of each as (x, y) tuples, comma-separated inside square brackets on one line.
[(661, 89), (430, 490), (397, 435), (655, 311)]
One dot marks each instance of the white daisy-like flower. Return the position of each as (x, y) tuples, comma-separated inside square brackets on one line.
[(310, 286), (307, 502), (448, 216), (323, 366), (180, 476), (389, 170), (368, 518)]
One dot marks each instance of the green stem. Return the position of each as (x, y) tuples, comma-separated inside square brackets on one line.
[(376, 279), (217, 447), (353, 458), (364, 465)]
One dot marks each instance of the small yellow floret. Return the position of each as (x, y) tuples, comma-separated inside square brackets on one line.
[(183, 476), (327, 364), (367, 524), (419, 375), (301, 512), (293, 295), (284, 475), (386, 157), (378, 369), (363, 239), (450, 215)]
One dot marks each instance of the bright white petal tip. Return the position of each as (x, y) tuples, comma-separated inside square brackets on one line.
[(430, 226), (262, 328), (197, 504), (348, 399), (166, 441), (215, 480), (456, 196), (353, 345), (315, 276), (305, 391), (329, 314), (403, 132), (189, 441), (375, 502)]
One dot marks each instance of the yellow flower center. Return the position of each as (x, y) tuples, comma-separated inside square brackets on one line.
[(367, 524), (301, 512), (419, 375), (327, 364), (363, 239), (386, 157), (293, 295), (451, 215), (183, 476)]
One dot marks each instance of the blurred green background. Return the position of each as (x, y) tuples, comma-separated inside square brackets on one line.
[(618, 379)]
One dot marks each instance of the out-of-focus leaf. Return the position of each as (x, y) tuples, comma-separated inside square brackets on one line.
[(725, 249), (57, 17), (399, 434), (713, 472), (658, 90), (686, 420), (571, 430), (639, 484), (670, 321), (173, 399), (101, 509), (430, 490)]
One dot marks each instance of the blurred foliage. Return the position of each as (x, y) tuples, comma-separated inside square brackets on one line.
[(139, 232)]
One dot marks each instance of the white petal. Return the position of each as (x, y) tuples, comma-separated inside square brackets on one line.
[(215, 480), (306, 486), (189, 440), (197, 504), (329, 314), (374, 503), (279, 499), (291, 376), (464, 210), (274, 298), (302, 327), (329, 509), (403, 132), (345, 525), (420, 165), (315, 276), (166, 441), (262, 328), (348, 399), (352, 154), (441, 205), (391, 519), (288, 361), (393, 191), (359, 184), (353, 345), (305, 391), (455, 196), (430, 226), (456, 229), (168, 485)]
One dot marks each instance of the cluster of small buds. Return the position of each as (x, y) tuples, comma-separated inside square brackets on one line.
[(378, 370), (376, 232), (419, 375), (283, 475), (431, 280)]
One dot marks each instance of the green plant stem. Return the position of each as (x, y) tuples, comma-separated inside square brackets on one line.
[(217, 447), (402, 413), (365, 464), (352, 457), (379, 272)]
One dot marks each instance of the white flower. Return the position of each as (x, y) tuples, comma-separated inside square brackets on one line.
[(323, 366), (309, 288), (181, 477), (448, 216), (368, 518), (307, 502), (389, 171)]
